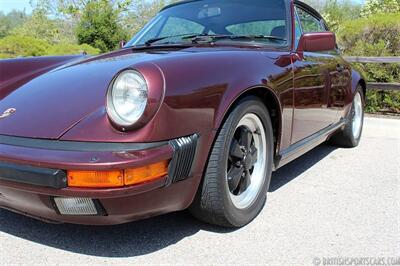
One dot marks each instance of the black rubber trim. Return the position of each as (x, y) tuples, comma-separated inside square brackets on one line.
[(308, 8), (295, 150), (178, 3), (63, 145), (101, 211), (179, 169), (181, 164), (45, 177)]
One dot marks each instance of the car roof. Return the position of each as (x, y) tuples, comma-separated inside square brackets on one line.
[(296, 2), (185, 2), (254, 13), (178, 3)]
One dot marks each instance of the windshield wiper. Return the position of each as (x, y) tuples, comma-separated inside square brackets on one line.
[(254, 37), (196, 38), (211, 38), (154, 40)]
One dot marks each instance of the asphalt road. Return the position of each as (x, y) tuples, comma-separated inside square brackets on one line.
[(329, 203)]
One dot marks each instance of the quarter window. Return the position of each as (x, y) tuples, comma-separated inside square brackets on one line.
[(309, 23), (298, 31)]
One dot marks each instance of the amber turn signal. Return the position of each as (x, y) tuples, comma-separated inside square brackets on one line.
[(146, 173), (96, 179), (117, 178)]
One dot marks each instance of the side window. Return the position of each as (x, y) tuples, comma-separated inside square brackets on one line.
[(309, 23)]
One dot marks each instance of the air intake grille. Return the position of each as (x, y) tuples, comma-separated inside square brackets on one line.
[(181, 164)]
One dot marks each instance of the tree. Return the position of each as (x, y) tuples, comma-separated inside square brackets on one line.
[(40, 26), (140, 12), (316, 4), (97, 22), (336, 12), (103, 23), (99, 27), (372, 7), (10, 21)]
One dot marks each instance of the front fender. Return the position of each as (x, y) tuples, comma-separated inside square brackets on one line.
[(233, 96), (200, 89)]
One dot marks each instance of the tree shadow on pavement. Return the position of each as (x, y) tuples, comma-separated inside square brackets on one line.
[(136, 238)]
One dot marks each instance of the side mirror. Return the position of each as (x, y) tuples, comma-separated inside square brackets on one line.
[(317, 42), (122, 44)]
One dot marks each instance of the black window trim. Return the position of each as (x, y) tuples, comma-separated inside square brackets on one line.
[(320, 20), (296, 19), (308, 9), (178, 3), (312, 12)]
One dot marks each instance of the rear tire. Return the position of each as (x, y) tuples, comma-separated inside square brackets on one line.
[(233, 190), (350, 136)]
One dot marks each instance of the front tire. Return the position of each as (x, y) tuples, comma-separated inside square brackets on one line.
[(238, 173), (350, 136)]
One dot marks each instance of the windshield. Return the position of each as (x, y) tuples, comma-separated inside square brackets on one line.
[(261, 21)]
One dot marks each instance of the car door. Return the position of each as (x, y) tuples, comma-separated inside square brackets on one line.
[(312, 81)]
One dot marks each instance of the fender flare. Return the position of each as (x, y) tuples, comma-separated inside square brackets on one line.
[(261, 90), (357, 79)]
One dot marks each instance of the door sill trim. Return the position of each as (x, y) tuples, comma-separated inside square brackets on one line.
[(301, 147)]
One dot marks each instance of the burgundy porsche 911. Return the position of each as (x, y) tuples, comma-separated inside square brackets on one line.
[(194, 112)]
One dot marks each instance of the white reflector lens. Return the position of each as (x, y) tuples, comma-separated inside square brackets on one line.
[(75, 206)]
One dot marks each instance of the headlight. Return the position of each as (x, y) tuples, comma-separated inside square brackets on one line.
[(127, 98)]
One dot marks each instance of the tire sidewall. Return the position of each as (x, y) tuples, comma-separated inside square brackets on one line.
[(237, 216), (356, 141)]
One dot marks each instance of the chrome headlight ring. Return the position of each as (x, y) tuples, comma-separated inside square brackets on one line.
[(127, 98)]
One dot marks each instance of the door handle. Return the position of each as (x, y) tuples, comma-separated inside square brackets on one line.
[(340, 68)]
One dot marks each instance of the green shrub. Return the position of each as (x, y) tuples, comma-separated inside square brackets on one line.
[(378, 35), (67, 49), (379, 101), (362, 36), (23, 46)]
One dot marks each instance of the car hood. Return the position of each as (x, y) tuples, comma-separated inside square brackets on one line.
[(50, 104)]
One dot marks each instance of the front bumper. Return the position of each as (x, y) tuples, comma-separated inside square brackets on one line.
[(32, 173)]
